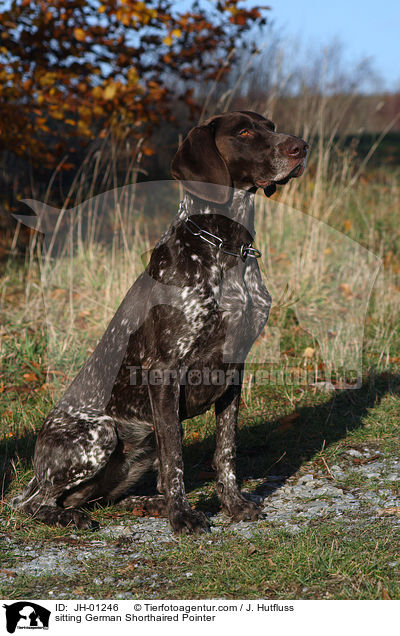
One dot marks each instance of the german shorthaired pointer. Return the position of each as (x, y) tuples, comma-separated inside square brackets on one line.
[(192, 316)]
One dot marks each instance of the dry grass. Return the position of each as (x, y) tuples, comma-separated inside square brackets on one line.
[(323, 238)]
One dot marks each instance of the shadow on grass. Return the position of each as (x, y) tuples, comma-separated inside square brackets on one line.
[(268, 448), (13, 453), (264, 447)]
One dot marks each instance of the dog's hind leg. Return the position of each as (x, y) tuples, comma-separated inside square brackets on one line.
[(38, 501), (137, 492), (71, 454), (45, 508)]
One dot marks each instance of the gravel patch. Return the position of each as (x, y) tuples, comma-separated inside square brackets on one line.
[(289, 503)]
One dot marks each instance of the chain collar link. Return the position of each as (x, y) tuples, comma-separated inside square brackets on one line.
[(245, 250)]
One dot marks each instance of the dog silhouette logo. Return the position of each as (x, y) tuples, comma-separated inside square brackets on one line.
[(26, 615)]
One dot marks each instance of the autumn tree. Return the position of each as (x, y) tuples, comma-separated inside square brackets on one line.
[(75, 68)]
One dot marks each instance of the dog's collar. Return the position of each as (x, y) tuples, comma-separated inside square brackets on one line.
[(245, 250)]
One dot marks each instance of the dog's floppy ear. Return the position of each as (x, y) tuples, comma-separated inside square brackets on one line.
[(199, 163)]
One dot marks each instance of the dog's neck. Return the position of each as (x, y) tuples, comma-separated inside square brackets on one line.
[(239, 208)]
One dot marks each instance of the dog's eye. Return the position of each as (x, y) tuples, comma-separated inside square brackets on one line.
[(244, 133)]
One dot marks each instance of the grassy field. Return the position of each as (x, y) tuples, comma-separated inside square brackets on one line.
[(50, 324)]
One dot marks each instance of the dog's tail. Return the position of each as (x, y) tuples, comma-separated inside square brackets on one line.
[(26, 495)]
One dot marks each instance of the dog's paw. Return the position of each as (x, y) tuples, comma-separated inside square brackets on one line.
[(186, 520), (244, 510), (76, 518)]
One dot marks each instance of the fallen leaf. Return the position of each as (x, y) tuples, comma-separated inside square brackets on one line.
[(289, 352), (59, 373), (33, 364), (365, 460), (129, 568), (80, 35), (69, 540), (18, 388), (139, 511), (30, 377), (344, 287), (46, 386), (58, 292), (109, 91), (148, 151), (386, 512)]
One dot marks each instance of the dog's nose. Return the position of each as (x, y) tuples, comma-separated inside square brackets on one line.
[(294, 147)]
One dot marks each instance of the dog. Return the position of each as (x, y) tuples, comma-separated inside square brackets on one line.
[(194, 313)]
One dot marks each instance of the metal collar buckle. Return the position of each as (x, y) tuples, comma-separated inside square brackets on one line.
[(248, 250), (245, 250)]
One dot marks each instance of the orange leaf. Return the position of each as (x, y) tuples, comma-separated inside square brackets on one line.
[(385, 594), (45, 387), (34, 364), (148, 151), (30, 377), (8, 572), (109, 91), (79, 34), (344, 287), (58, 292)]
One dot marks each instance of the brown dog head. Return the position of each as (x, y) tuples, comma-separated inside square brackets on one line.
[(237, 150)]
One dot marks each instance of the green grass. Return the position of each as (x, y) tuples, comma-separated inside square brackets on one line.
[(316, 564), (330, 559)]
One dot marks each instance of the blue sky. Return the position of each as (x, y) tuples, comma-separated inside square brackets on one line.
[(366, 28)]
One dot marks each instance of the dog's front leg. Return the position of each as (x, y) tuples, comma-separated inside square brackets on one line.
[(165, 407), (224, 462)]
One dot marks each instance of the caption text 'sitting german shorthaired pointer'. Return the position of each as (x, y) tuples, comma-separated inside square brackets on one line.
[(196, 310)]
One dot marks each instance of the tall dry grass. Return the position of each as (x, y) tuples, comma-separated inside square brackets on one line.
[(97, 245)]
